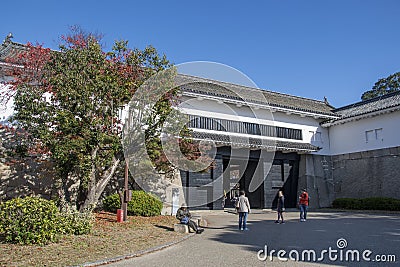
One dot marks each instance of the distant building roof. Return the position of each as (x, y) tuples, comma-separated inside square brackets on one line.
[(370, 107), (226, 90), (9, 49)]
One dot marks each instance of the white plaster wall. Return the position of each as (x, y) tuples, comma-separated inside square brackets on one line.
[(310, 127), (350, 137), (214, 109), (6, 108)]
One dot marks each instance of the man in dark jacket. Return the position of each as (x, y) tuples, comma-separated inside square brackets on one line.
[(183, 215), (280, 207)]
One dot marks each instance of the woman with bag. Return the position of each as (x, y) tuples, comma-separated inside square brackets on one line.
[(243, 208)]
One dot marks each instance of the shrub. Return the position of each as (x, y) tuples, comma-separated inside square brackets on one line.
[(29, 220), (381, 203), (373, 203), (142, 204), (346, 203), (76, 223), (111, 203), (33, 220)]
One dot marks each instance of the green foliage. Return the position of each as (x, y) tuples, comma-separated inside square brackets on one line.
[(383, 86), (76, 223), (29, 221), (346, 203), (142, 204), (70, 101), (112, 202), (373, 203), (33, 220)]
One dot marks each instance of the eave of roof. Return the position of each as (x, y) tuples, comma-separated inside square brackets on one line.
[(239, 94), (255, 143), (10, 49), (364, 109)]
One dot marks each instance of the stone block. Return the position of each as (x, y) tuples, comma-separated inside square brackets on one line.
[(356, 155), (380, 152), (393, 151), (366, 154), (181, 228), (197, 219)]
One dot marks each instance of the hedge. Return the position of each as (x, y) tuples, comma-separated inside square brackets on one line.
[(142, 204), (373, 203)]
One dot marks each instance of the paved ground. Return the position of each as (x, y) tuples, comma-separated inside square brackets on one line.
[(223, 245)]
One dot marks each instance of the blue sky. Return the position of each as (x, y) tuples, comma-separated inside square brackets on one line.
[(337, 49)]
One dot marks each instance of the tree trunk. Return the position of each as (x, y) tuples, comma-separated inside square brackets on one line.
[(96, 189)]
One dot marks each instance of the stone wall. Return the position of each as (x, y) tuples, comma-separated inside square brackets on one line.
[(315, 174), (374, 173), (23, 176), (33, 175)]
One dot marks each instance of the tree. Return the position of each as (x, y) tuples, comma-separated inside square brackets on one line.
[(160, 144), (383, 86), (70, 101)]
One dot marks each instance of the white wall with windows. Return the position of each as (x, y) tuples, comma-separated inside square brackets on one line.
[(310, 128), (365, 134)]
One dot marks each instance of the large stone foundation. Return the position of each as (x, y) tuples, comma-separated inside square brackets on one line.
[(374, 173)]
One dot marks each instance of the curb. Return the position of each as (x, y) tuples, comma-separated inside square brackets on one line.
[(378, 212), (136, 254)]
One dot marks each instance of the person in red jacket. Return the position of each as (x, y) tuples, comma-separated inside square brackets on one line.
[(303, 205)]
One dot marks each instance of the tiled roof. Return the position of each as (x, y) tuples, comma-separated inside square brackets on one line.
[(369, 106), (239, 92), (254, 142), (9, 49)]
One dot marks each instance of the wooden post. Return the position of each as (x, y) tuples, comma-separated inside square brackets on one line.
[(125, 202)]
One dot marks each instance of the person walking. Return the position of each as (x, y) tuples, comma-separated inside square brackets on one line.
[(243, 208), (303, 204), (280, 207)]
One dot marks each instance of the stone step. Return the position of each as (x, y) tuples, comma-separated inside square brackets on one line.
[(182, 228), (199, 220)]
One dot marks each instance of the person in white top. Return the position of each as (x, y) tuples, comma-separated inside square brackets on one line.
[(243, 208)]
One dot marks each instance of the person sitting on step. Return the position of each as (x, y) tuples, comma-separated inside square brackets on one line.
[(184, 216)]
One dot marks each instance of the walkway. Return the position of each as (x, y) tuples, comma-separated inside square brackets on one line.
[(223, 245)]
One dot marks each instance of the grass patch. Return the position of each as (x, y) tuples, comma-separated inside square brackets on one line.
[(108, 239)]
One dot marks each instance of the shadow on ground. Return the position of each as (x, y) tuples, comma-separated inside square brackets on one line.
[(165, 227), (377, 233)]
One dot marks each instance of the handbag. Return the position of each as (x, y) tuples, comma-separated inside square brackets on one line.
[(185, 220)]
